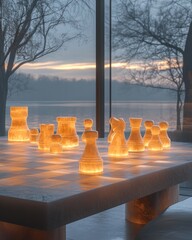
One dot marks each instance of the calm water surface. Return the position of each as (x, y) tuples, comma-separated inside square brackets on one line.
[(46, 112)]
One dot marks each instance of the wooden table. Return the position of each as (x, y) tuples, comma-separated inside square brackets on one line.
[(41, 193)]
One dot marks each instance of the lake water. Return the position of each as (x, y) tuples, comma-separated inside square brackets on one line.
[(46, 112)]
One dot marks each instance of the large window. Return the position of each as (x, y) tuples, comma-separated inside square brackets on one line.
[(61, 83)]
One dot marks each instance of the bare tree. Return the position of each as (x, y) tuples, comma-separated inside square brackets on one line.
[(29, 30), (154, 32)]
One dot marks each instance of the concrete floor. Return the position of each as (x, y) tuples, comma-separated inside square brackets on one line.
[(109, 225)]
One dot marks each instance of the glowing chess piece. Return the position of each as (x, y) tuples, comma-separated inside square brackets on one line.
[(163, 134), (56, 146), (148, 134), (19, 131), (46, 131), (88, 124), (67, 130), (135, 141), (34, 135), (91, 162), (155, 143), (118, 145), (111, 120)]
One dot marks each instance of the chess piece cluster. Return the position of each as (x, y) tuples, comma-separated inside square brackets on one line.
[(154, 139)]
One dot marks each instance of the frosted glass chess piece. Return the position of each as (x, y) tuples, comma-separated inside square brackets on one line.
[(67, 130), (163, 134), (46, 131), (88, 124), (34, 135), (19, 131), (111, 120), (135, 141), (118, 145), (155, 143), (148, 134), (56, 146), (91, 162)]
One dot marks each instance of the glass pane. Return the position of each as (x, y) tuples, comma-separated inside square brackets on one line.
[(61, 83), (148, 47)]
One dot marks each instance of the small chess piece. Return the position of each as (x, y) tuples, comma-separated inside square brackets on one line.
[(46, 131), (118, 145), (163, 134), (67, 130), (147, 136), (91, 162), (34, 134), (135, 141), (111, 121), (155, 143), (19, 131), (56, 146), (88, 124)]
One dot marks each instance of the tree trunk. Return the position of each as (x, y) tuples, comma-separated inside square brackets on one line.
[(187, 77), (3, 100), (2, 115), (179, 106)]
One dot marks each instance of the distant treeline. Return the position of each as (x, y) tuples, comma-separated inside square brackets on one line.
[(46, 88)]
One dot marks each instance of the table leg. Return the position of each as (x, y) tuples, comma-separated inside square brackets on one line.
[(10, 231), (143, 210)]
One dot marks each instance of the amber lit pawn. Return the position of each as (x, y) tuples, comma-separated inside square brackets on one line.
[(88, 124), (155, 143), (118, 145), (67, 130), (19, 131), (135, 141), (56, 146), (91, 162), (163, 134), (147, 137), (34, 135), (111, 121)]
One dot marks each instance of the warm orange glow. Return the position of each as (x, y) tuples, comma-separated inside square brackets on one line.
[(118, 145), (91, 162), (135, 141), (88, 124), (163, 134), (67, 130), (148, 134), (155, 143), (34, 135), (46, 131), (56, 146), (19, 131)]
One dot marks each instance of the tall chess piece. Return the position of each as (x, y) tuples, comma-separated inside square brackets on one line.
[(118, 145), (111, 121), (163, 134), (88, 124), (19, 131), (135, 141), (155, 143), (91, 162), (148, 134), (67, 130)]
